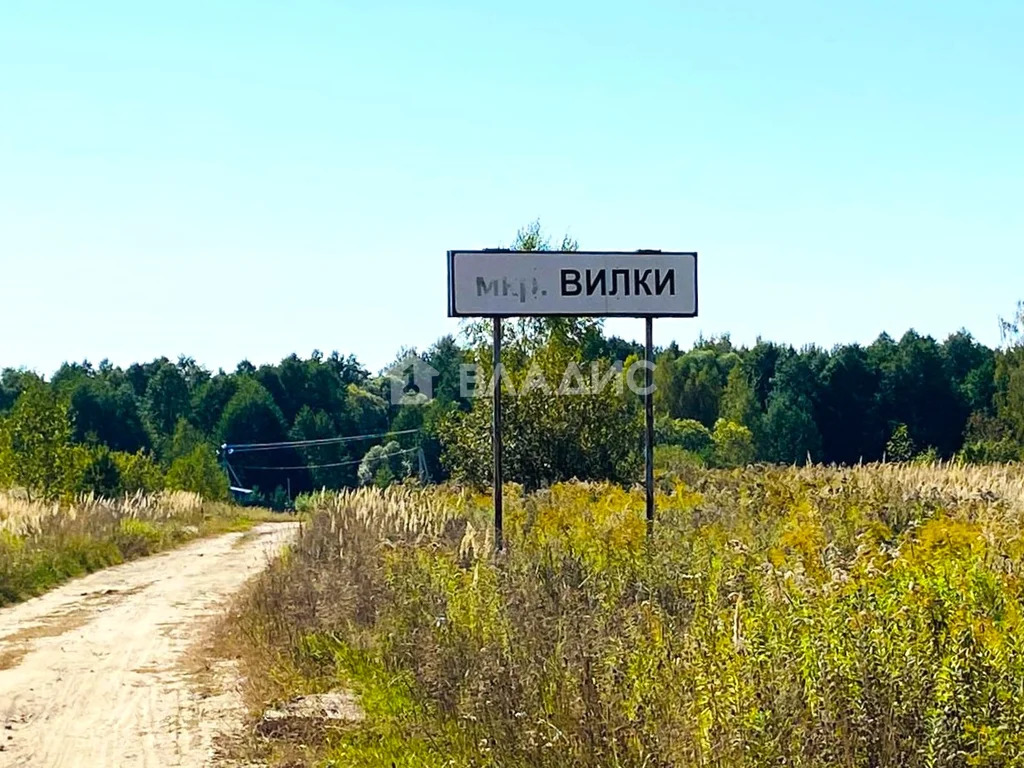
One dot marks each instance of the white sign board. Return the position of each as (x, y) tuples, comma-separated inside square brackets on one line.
[(597, 284)]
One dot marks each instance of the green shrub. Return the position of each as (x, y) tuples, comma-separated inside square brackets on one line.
[(384, 464), (733, 444), (991, 452), (139, 472), (96, 472), (688, 434), (136, 538), (548, 438), (676, 459), (198, 472), (900, 446)]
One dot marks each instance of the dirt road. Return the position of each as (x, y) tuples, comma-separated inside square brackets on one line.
[(93, 674)]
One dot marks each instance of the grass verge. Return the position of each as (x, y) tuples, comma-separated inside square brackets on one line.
[(42, 546)]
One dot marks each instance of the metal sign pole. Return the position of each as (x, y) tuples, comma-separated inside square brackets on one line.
[(499, 538), (649, 418)]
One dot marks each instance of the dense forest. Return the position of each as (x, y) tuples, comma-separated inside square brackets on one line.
[(111, 430)]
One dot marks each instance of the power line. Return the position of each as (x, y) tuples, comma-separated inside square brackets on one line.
[(325, 466), (251, 447)]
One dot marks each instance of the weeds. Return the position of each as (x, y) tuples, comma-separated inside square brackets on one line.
[(811, 617), (43, 545)]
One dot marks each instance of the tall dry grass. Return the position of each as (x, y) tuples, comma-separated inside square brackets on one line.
[(21, 517), (871, 616), (44, 544)]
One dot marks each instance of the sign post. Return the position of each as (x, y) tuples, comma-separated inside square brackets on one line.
[(500, 283), (499, 534), (649, 422)]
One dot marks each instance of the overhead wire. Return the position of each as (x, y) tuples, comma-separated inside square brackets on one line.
[(230, 449), (251, 447), (324, 466)]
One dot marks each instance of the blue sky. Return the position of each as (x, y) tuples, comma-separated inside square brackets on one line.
[(240, 180)]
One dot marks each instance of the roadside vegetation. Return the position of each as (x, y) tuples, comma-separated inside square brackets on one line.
[(871, 616), (44, 544)]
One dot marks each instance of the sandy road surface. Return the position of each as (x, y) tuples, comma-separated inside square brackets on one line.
[(92, 675)]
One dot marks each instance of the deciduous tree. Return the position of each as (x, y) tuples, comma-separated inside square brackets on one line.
[(35, 442)]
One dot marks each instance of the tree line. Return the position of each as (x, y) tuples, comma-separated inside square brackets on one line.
[(112, 430)]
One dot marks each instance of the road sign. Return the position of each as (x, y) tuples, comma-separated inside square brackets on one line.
[(502, 283)]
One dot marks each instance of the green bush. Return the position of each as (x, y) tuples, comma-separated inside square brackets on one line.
[(96, 471), (676, 459), (139, 472), (688, 434), (991, 452), (136, 538), (733, 444), (384, 464), (198, 472), (548, 438), (900, 446)]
